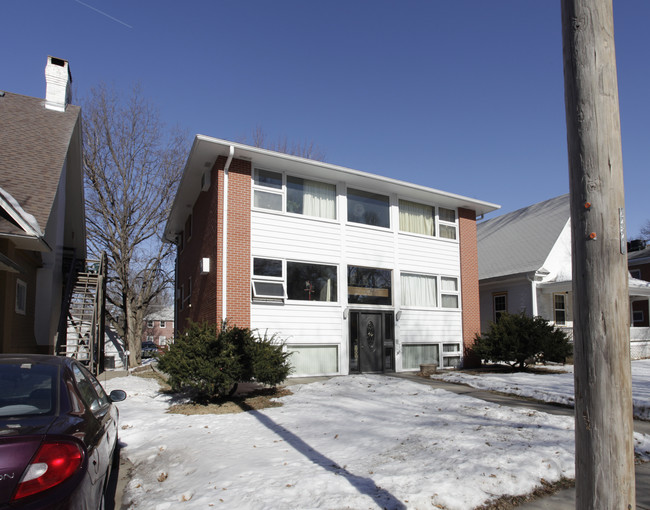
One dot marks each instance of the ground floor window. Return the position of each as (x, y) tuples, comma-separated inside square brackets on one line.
[(500, 301), (369, 285), (559, 309), (311, 282), (21, 297), (314, 359), (451, 355), (414, 355)]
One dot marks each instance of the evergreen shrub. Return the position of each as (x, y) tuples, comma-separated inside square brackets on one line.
[(518, 340), (211, 361)]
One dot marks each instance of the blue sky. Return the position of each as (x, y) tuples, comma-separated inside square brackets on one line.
[(465, 96)]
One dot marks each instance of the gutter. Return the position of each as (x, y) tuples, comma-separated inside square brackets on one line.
[(224, 257)]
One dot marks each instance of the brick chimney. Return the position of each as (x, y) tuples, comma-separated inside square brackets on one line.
[(57, 84)]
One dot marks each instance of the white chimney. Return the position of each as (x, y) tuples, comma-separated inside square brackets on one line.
[(57, 84)]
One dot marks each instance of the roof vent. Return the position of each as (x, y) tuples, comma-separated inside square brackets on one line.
[(636, 245), (57, 84)]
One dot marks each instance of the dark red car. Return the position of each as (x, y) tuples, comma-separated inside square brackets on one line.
[(58, 434)]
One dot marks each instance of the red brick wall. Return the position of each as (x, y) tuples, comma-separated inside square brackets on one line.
[(239, 246), (469, 281), (205, 304)]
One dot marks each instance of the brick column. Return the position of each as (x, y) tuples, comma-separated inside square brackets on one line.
[(469, 283)]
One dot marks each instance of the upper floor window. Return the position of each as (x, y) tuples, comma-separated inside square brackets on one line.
[(268, 190), (368, 208), (311, 198), (447, 223), (635, 273), (149, 324), (163, 324), (188, 229), (416, 218)]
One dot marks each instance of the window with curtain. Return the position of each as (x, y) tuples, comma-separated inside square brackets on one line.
[(449, 292), (416, 218), (413, 355), (311, 198), (447, 223), (311, 282), (419, 290), (368, 208)]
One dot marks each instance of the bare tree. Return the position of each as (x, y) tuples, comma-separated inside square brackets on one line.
[(645, 230), (132, 166), (308, 150)]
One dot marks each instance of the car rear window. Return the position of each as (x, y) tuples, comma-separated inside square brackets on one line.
[(27, 388)]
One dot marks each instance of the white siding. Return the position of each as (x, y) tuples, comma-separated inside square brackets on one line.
[(428, 255), (300, 238), (297, 238)]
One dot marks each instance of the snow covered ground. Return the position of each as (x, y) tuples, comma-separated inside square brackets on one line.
[(353, 442), (556, 387)]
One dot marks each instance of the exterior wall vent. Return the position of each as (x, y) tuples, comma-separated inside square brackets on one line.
[(205, 181)]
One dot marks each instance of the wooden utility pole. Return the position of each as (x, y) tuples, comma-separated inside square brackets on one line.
[(603, 389)]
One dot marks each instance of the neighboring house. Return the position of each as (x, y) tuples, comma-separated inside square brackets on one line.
[(158, 327), (525, 266), (42, 221), (638, 262), (355, 271)]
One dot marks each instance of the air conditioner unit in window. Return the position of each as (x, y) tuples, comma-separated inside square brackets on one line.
[(205, 180)]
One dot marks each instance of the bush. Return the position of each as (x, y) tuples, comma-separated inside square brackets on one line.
[(212, 362), (517, 339)]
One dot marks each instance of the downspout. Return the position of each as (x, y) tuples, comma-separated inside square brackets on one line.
[(224, 257), (534, 289)]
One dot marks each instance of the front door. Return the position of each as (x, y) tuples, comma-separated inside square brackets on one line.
[(371, 342)]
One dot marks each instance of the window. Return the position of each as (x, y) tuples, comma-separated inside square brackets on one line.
[(149, 338), (162, 340), (21, 297), (449, 292), (559, 309), (447, 223), (311, 198), (267, 192), (635, 273), (368, 208), (150, 324), (311, 282), (268, 280), (414, 355), (314, 359), (416, 218), (370, 286), (419, 290), (163, 324), (637, 317), (500, 305), (451, 355)]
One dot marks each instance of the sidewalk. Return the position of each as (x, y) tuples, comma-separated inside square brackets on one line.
[(563, 499)]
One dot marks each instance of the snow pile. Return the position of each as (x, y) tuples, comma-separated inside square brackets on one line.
[(352, 442), (556, 387)]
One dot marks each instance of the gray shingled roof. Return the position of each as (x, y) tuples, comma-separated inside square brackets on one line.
[(34, 142), (519, 242)]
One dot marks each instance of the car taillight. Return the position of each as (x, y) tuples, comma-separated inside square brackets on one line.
[(53, 463)]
